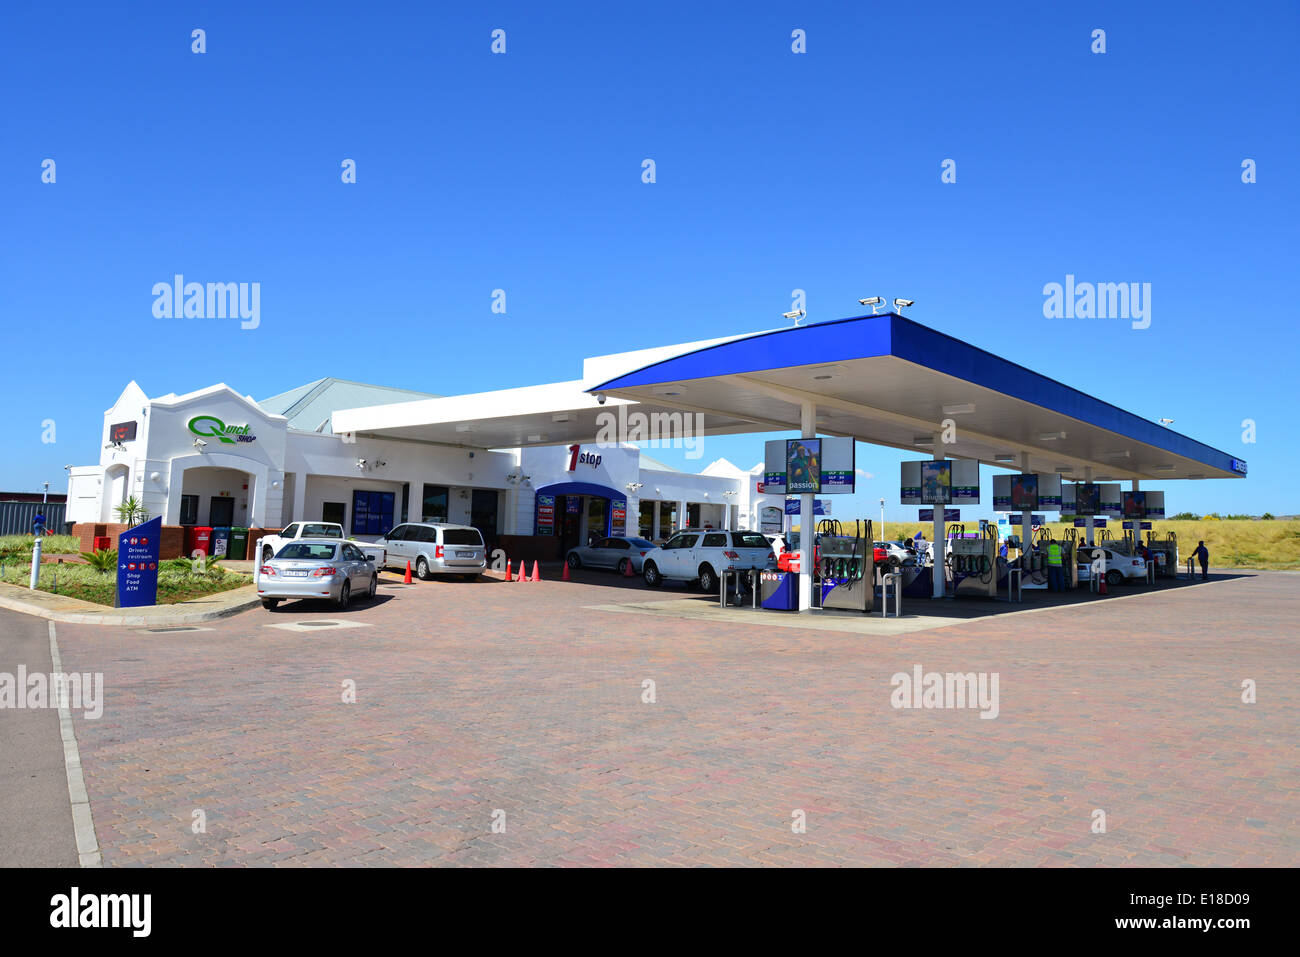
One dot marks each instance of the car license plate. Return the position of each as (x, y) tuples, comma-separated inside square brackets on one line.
[(295, 573), (464, 554)]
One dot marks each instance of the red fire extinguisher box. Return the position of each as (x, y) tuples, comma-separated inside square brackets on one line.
[(198, 538)]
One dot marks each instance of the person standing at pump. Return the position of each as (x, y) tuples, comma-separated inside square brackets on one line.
[(1055, 569), (1202, 555)]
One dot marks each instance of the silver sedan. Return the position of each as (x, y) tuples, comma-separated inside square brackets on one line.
[(615, 553), (317, 568)]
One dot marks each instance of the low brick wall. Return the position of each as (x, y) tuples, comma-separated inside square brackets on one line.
[(530, 548)]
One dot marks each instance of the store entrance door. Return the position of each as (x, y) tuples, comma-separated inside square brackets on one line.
[(221, 512), (569, 520)]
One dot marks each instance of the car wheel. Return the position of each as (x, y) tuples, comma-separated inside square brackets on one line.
[(573, 560), (651, 575), (422, 569), (1114, 578), (345, 595), (893, 563), (708, 579), (267, 553), (270, 604), (374, 587), (623, 565)]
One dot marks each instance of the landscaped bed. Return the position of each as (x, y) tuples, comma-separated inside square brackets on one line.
[(178, 580)]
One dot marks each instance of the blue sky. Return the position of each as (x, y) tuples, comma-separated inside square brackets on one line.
[(775, 171)]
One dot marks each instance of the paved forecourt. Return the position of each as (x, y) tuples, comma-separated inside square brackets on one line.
[(527, 705)]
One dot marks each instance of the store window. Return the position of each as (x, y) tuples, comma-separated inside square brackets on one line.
[(435, 504), (645, 520), (189, 510), (332, 512), (667, 519)]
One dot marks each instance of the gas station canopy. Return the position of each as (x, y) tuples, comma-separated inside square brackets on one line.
[(887, 380), (882, 379)]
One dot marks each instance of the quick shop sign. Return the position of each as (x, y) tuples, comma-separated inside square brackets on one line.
[(211, 427)]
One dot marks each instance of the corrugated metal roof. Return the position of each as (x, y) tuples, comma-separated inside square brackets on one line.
[(308, 407)]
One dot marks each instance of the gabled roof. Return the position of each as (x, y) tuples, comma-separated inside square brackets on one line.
[(309, 407)]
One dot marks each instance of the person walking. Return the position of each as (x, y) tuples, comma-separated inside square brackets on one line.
[(38, 524), (1202, 555), (1055, 568)]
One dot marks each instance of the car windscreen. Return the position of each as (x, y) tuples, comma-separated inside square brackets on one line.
[(321, 531), (461, 536), (749, 540), (308, 551)]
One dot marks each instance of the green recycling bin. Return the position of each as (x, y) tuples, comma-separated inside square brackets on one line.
[(238, 548)]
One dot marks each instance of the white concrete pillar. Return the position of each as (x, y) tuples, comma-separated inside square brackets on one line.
[(940, 547), (654, 531), (807, 520), (682, 515), (299, 497), (1026, 518), (1088, 522)]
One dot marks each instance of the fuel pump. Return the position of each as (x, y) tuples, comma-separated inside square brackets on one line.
[(973, 560), (1164, 551), (1033, 561), (847, 566)]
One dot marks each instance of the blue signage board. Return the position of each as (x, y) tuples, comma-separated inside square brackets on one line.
[(1133, 524), (949, 515), (1239, 466), (792, 506), (137, 565)]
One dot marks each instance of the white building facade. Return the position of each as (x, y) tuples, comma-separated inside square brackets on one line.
[(214, 457)]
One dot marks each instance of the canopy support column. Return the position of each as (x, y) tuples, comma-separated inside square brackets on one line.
[(807, 520)]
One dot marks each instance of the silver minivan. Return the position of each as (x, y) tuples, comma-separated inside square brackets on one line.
[(435, 548)]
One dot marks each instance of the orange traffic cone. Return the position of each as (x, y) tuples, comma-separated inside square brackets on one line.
[(565, 575), (537, 574), (508, 576), (523, 575), (627, 570), (407, 580), (1101, 586)]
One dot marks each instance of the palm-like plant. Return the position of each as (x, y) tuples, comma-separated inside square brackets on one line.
[(131, 512), (104, 560)]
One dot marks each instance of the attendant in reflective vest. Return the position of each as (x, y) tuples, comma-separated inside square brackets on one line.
[(1055, 569)]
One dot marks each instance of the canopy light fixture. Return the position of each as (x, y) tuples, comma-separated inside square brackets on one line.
[(1163, 467), (1050, 436), (923, 440), (465, 427), (1064, 470), (1198, 475), (563, 417), (965, 408), (1124, 454), (539, 437), (1004, 457)]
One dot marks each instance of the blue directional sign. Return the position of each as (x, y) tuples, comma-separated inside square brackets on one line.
[(137, 565)]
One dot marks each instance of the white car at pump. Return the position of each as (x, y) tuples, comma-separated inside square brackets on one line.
[(1115, 566), (702, 555)]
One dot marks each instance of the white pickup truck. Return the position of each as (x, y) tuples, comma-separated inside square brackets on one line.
[(273, 543)]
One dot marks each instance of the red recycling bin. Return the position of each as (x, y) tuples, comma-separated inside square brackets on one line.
[(198, 538), (102, 543)]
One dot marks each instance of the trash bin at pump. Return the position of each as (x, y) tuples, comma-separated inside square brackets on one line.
[(220, 542), (102, 543), (238, 549), (198, 538)]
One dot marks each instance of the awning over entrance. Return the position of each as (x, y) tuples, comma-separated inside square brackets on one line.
[(890, 381)]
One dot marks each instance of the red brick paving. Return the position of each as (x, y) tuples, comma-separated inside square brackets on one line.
[(474, 697)]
